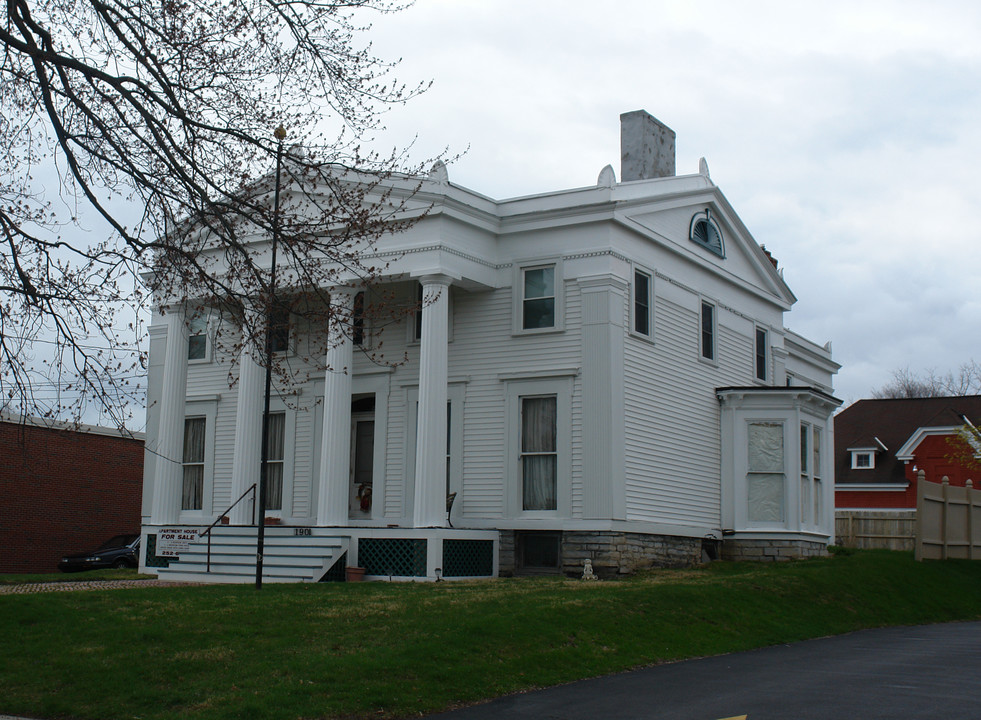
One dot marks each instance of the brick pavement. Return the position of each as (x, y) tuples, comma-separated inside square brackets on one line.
[(26, 588)]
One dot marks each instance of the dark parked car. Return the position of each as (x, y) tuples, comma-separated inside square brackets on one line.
[(119, 552)]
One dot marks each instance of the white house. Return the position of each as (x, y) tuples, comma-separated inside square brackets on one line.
[(599, 373)]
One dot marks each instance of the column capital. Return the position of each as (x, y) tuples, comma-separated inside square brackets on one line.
[(435, 279)]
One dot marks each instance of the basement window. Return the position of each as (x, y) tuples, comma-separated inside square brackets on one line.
[(538, 552)]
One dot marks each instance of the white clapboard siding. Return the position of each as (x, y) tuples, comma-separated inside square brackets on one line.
[(672, 417)]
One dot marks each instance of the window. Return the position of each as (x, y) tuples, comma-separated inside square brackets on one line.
[(275, 460), (539, 456), (357, 320), (417, 334), (863, 460), (192, 494), (197, 342), (707, 341), (703, 231), (449, 442), (765, 479), (538, 298), (279, 330), (811, 488), (643, 302), (538, 551), (761, 354), (817, 474), (805, 475)]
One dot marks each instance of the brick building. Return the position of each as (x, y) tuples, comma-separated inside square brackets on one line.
[(64, 490)]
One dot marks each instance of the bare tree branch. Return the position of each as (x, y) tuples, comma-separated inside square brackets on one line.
[(169, 107)]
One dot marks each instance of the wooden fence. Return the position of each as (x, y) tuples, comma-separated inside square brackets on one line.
[(948, 521), (876, 529)]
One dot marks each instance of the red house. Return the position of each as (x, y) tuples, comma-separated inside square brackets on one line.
[(64, 489), (880, 445)]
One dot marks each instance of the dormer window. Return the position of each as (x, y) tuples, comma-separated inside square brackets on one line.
[(704, 231), (863, 460)]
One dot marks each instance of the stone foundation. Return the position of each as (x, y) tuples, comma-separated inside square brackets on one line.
[(772, 550), (613, 554)]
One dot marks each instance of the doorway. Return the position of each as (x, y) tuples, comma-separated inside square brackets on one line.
[(362, 465)]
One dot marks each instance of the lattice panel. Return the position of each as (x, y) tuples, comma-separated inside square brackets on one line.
[(401, 557), (151, 553), (468, 558)]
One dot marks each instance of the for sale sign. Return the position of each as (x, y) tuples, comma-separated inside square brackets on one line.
[(172, 541)]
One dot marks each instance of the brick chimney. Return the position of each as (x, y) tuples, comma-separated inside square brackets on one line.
[(646, 147)]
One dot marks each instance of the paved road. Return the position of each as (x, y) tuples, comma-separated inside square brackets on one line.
[(927, 672)]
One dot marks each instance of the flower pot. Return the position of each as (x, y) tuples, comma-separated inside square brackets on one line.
[(354, 574), (272, 520)]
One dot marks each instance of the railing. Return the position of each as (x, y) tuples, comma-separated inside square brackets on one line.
[(224, 515)]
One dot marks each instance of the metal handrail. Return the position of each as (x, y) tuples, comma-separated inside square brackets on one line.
[(211, 527)]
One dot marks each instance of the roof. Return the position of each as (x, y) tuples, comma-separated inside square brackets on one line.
[(893, 422)]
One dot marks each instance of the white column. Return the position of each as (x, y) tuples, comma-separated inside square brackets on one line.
[(429, 509), (170, 439), (248, 434), (335, 447)]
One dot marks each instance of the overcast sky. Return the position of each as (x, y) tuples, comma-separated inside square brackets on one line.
[(845, 134)]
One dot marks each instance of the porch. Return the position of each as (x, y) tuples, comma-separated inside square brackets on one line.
[(316, 554)]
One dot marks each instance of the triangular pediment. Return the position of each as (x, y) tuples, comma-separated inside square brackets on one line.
[(707, 231)]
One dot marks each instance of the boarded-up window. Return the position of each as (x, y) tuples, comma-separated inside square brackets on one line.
[(765, 479)]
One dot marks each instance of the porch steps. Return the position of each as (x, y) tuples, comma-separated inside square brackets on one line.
[(287, 557)]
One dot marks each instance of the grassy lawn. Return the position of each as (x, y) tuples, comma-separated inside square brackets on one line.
[(336, 650)]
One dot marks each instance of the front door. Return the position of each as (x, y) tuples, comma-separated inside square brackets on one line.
[(362, 467)]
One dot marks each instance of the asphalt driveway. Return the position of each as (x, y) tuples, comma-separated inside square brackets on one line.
[(922, 672)]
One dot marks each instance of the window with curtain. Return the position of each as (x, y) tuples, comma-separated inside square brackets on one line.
[(275, 460), (538, 299), (192, 494), (539, 457), (765, 479)]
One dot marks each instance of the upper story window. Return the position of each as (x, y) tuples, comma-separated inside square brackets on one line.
[(863, 460), (417, 326), (279, 329), (762, 354), (643, 323), (538, 298), (707, 331), (704, 231), (357, 320), (197, 341)]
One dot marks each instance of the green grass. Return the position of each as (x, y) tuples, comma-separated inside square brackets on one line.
[(338, 650)]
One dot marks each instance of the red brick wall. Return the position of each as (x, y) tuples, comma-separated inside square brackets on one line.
[(63, 492)]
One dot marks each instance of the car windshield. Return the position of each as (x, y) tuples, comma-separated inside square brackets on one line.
[(117, 542)]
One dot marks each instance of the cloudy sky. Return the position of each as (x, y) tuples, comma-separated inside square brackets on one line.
[(845, 134)]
